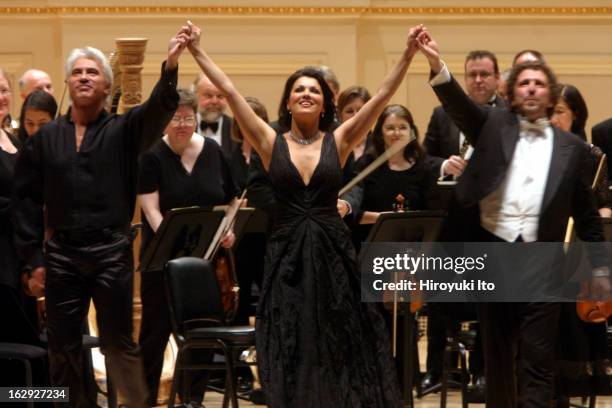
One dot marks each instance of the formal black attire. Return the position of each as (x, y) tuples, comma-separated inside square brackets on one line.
[(318, 345), (18, 326), (442, 138), (530, 327), (89, 197), (383, 185), (601, 135), (210, 183), (228, 145)]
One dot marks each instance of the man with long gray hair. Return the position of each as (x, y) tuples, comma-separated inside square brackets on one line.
[(81, 169)]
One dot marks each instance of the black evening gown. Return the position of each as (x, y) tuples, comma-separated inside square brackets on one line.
[(318, 345)]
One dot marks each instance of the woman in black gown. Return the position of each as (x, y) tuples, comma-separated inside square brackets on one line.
[(318, 345)]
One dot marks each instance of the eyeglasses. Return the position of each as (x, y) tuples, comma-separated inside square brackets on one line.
[(5, 91), (482, 74), (188, 121)]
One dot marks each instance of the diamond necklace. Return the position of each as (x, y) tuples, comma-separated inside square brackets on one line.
[(303, 141)]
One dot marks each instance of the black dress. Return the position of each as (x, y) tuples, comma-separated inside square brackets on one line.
[(318, 345)]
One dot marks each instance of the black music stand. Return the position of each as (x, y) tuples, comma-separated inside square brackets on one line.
[(183, 232), (188, 232), (440, 195), (409, 226)]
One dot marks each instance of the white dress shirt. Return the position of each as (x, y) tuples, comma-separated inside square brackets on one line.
[(208, 132), (514, 208)]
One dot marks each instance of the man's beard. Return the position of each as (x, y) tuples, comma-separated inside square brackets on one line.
[(210, 117)]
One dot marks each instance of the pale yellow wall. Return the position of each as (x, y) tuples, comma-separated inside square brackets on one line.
[(260, 46)]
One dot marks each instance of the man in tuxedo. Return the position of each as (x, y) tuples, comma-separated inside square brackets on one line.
[(212, 120), (448, 151), (525, 179), (602, 138), (447, 148)]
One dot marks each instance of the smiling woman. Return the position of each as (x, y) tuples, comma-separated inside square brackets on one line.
[(317, 344)]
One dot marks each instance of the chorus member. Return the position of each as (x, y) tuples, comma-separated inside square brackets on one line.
[(38, 109), (570, 115), (520, 338), (81, 170), (317, 343), (34, 80), (447, 147), (183, 169)]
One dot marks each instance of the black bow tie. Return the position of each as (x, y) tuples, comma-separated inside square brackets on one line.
[(212, 126)]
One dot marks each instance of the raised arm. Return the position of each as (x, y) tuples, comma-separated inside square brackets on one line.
[(148, 121), (353, 131), (255, 130), (467, 115)]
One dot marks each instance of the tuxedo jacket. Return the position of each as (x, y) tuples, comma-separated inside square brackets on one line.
[(494, 134), (602, 138), (442, 136), (227, 144)]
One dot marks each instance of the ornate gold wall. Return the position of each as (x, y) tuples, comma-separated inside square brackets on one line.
[(260, 43)]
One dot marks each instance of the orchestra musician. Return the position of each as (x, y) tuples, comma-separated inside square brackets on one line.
[(183, 169)]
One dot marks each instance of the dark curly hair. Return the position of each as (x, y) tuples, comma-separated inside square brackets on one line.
[(536, 66), (327, 117), (413, 150)]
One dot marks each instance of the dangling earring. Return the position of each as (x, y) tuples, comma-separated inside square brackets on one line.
[(288, 110)]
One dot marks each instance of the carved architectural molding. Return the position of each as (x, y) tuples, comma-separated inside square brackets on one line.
[(317, 11)]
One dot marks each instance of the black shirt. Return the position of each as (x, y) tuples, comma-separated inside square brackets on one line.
[(383, 185), (9, 265), (210, 182), (94, 188)]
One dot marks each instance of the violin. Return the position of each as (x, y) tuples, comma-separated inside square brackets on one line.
[(591, 311), (223, 259)]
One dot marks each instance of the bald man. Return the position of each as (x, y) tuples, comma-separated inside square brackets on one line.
[(34, 80)]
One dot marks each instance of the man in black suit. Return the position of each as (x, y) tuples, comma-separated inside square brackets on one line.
[(525, 179), (212, 120), (602, 138), (446, 146), (448, 152)]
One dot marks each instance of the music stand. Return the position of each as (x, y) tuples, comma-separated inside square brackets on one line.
[(183, 232), (440, 195), (409, 226)]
